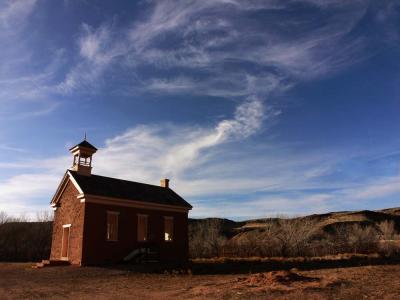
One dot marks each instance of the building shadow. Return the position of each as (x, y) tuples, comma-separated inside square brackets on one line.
[(246, 266)]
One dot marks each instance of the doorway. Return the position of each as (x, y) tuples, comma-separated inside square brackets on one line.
[(65, 242)]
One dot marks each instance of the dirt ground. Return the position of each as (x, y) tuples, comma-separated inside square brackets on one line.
[(19, 281)]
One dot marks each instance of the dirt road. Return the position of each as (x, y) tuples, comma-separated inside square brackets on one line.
[(19, 281)]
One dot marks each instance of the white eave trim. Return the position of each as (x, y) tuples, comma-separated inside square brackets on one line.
[(74, 182), (62, 187)]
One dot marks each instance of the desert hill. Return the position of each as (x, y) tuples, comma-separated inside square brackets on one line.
[(325, 222), (331, 233)]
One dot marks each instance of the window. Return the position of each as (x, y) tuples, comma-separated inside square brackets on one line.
[(112, 225), (142, 228), (168, 228)]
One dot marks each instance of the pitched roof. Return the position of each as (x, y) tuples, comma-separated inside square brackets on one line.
[(128, 190), (85, 144)]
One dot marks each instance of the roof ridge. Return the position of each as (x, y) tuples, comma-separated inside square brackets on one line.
[(108, 177), (126, 189)]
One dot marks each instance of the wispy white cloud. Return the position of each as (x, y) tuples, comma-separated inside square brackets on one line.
[(25, 91), (214, 38), (377, 189), (207, 48), (11, 148), (98, 48), (15, 191), (212, 167), (13, 14), (210, 48), (247, 120), (262, 207), (145, 153), (29, 95), (145, 148), (172, 150), (233, 86)]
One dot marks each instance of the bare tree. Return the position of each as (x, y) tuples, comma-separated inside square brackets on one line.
[(3, 217), (206, 239), (388, 231), (278, 237), (354, 238), (294, 235), (44, 216), (389, 237)]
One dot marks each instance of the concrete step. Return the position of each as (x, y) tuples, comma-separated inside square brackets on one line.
[(50, 263), (59, 263)]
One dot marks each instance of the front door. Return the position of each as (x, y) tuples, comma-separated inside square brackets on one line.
[(65, 242)]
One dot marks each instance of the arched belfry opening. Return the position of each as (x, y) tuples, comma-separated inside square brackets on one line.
[(83, 153)]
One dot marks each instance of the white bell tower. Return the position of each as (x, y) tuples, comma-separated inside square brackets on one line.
[(83, 157)]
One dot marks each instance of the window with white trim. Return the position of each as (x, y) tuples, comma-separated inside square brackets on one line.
[(168, 229), (142, 228), (112, 225)]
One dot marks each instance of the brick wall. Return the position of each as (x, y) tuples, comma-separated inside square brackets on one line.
[(71, 211), (97, 249)]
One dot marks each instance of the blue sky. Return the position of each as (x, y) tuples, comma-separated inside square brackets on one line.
[(252, 108)]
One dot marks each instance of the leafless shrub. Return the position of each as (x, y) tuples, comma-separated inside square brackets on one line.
[(246, 244), (288, 238), (389, 239), (295, 235), (389, 248), (270, 244), (278, 237), (388, 231), (206, 239), (353, 238), (363, 239), (44, 216), (3, 217), (18, 219)]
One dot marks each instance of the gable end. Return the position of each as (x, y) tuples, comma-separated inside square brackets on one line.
[(61, 187)]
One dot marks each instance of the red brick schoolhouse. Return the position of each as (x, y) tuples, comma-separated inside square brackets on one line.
[(100, 219)]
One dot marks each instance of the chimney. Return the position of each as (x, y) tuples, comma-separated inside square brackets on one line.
[(164, 183)]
